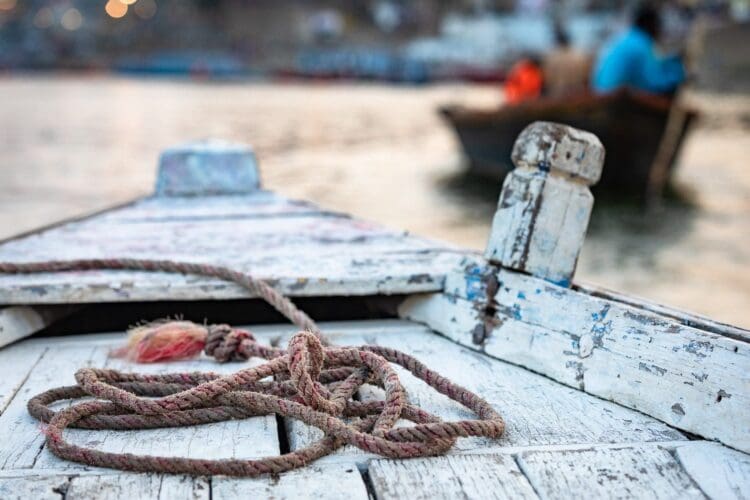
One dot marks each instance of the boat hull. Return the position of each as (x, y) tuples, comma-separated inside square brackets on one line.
[(630, 126)]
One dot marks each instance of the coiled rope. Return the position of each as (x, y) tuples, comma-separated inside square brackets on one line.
[(309, 381)]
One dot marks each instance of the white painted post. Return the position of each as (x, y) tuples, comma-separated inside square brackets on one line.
[(545, 204), (207, 168)]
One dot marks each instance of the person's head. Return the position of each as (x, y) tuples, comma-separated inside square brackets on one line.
[(561, 37), (647, 19)]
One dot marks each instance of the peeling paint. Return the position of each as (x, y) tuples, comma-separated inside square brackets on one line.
[(579, 371), (651, 368), (599, 316), (699, 348), (722, 395), (586, 346), (420, 278)]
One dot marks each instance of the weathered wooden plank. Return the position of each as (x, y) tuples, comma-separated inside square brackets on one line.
[(463, 321), (509, 340), (540, 413), (301, 276), (334, 481), (17, 322), (21, 434), (683, 317), (322, 233), (637, 472), (448, 477), (103, 486), (537, 410), (16, 362), (118, 486), (719, 471), (340, 257), (250, 438), (697, 380), (42, 488)]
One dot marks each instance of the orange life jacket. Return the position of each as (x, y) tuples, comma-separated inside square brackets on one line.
[(524, 82)]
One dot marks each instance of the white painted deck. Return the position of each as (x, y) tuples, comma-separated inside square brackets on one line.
[(560, 442), (302, 249)]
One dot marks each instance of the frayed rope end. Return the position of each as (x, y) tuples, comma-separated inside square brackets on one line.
[(163, 340)]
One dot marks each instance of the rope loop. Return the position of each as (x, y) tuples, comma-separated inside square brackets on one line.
[(306, 358)]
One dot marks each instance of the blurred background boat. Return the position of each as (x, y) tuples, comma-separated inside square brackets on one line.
[(632, 126)]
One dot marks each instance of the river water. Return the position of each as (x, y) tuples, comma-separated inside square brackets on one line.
[(74, 144)]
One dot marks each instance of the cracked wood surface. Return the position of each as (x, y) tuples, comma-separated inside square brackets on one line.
[(720, 472), (50, 486), (637, 472), (546, 437), (683, 371), (303, 250), (457, 476)]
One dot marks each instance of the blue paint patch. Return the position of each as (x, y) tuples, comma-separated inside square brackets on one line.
[(538, 291), (599, 316), (474, 287), (473, 269), (516, 311), (521, 295), (565, 283)]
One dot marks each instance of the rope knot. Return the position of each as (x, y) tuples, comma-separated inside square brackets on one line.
[(225, 343)]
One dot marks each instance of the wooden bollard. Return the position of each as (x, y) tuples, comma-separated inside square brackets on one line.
[(207, 168), (544, 207)]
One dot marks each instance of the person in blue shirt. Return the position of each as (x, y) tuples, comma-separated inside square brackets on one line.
[(630, 60)]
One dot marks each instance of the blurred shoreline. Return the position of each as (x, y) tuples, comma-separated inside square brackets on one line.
[(77, 143)]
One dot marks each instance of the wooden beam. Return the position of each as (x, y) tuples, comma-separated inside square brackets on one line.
[(17, 322), (303, 250), (696, 379)]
